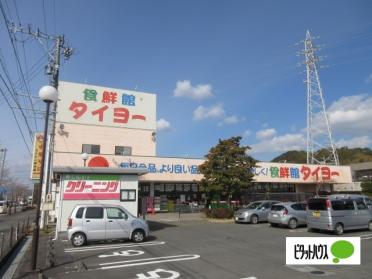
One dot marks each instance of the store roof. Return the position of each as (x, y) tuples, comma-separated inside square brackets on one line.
[(98, 170)]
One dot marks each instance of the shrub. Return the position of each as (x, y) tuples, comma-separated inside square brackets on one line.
[(220, 213)]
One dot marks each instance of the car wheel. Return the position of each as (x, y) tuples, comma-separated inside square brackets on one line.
[(78, 239), (274, 224), (138, 236), (292, 224), (370, 225), (339, 229), (254, 219)]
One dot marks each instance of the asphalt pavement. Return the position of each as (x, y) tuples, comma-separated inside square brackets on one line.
[(200, 249)]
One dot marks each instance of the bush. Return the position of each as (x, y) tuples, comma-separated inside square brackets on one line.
[(221, 213)]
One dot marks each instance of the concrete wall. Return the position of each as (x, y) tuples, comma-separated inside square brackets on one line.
[(70, 139)]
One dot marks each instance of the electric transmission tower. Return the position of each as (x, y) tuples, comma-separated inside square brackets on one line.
[(320, 145)]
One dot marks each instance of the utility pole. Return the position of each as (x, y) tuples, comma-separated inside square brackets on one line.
[(4, 150), (319, 134), (52, 69)]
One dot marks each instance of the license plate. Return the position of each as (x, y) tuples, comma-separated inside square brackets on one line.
[(275, 215), (316, 214)]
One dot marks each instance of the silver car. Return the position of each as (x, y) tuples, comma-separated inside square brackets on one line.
[(291, 214), (338, 214), (255, 212), (104, 222)]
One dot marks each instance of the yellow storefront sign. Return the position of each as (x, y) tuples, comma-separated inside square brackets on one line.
[(37, 156)]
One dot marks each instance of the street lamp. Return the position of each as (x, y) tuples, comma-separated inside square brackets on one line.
[(85, 157), (49, 95)]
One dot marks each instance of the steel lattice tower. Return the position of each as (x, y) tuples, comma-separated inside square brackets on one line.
[(320, 145)]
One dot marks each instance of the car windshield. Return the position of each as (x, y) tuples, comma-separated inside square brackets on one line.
[(253, 205)]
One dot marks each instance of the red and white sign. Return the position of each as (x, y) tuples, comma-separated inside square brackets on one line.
[(91, 190), (103, 106)]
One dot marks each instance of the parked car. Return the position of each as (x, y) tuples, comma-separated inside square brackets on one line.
[(338, 214), (255, 212), (3, 207), (367, 200), (291, 214), (104, 222)]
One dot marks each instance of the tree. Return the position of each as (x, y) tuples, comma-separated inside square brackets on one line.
[(367, 187), (226, 169)]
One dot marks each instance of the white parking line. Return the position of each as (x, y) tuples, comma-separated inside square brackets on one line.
[(147, 261), (113, 246)]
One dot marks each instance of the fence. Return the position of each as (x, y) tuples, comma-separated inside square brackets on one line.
[(10, 237)]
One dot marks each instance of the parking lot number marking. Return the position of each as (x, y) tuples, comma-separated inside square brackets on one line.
[(125, 253), (155, 274), (111, 265)]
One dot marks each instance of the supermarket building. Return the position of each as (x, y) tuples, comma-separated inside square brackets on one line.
[(117, 129)]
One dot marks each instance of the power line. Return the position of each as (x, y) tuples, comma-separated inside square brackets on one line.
[(18, 125), (14, 97), (19, 67)]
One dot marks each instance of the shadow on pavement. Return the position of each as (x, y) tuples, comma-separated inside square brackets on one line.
[(156, 226)]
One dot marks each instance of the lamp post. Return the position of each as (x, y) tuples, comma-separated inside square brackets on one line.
[(49, 95), (85, 157)]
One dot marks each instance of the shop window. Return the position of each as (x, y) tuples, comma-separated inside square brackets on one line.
[(128, 195), (186, 187), (179, 187), (194, 187), (91, 148), (159, 187), (169, 187), (123, 150)]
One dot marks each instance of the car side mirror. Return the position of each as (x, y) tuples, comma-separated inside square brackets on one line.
[(125, 216)]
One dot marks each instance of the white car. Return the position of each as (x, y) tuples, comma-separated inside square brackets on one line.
[(104, 222)]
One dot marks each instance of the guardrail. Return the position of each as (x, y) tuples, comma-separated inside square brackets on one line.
[(10, 237)]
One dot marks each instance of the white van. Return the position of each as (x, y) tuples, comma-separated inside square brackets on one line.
[(3, 207), (104, 222)]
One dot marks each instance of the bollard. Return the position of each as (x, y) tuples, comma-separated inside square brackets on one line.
[(17, 231), (2, 245), (28, 224), (23, 228)]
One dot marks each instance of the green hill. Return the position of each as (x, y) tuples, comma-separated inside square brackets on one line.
[(346, 156)]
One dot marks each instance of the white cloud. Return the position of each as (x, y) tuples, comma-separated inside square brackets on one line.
[(229, 120), (184, 88), (364, 141), (215, 111), (280, 144), (265, 134), (162, 125), (246, 133), (369, 78), (351, 115)]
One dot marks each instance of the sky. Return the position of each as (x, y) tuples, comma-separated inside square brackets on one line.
[(219, 68)]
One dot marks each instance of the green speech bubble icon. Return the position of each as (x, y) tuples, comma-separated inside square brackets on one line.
[(341, 249)]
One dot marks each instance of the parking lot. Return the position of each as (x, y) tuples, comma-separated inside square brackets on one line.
[(200, 249)]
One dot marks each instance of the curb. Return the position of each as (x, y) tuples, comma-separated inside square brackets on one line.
[(5, 259)]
